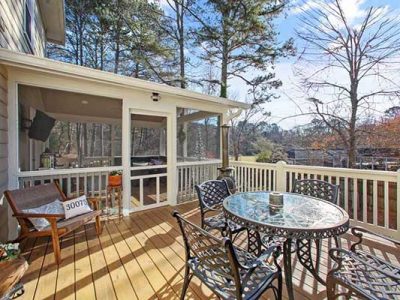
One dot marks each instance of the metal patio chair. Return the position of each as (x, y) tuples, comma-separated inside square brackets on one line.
[(362, 274), (322, 190), (211, 194), (230, 272)]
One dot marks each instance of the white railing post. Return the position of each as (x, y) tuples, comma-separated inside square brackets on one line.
[(280, 179), (398, 202)]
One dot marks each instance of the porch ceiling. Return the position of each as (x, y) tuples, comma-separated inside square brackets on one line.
[(59, 103)]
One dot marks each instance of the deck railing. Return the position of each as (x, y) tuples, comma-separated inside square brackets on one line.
[(191, 173), (370, 197), (88, 181)]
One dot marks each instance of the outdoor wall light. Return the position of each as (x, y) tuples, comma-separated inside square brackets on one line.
[(155, 97)]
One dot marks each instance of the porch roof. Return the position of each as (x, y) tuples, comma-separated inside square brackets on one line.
[(29, 62)]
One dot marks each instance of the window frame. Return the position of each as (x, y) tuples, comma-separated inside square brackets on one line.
[(29, 31)]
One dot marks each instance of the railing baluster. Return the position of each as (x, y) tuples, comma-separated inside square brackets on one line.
[(375, 202), (158, 189), (141, 192), (365, 197), (69, 185), (386, 203), (355, 198), (346, 193)]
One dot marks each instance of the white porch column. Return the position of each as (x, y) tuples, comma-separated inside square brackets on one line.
[(172, 159), (126, 160)]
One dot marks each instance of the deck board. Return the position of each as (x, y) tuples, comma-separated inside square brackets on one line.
[(142, 257)]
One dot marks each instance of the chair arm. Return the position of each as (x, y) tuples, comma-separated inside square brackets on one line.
[(358, 232), (339, 260), (95, 202), (270, 255), (209, 208), (47, 216)]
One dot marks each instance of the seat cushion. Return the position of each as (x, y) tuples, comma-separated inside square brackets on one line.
[(55, 207), (224, 287), (218, 222), (361, 270), (75, 222)]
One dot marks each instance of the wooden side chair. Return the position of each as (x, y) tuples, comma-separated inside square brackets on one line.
[(361, 273), (211, 194), (322, 190), (39, 195), (230, 272)]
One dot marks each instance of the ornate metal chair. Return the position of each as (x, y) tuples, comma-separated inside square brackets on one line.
[(230, 272), (317, 188), (325, 191), (211, 194), (362, 274)]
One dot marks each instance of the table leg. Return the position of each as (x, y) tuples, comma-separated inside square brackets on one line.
[(287, 263)]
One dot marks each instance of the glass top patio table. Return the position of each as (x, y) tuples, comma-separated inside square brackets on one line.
[(300, 216)]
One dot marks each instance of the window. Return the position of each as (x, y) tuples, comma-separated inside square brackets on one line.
[(29, 22)]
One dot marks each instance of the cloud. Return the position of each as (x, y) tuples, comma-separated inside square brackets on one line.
[(352, 9)]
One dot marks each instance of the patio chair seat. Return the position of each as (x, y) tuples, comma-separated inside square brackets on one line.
[(363, 272), (253, 285), (230, 272), (219, 222), (76, 222), (211, 195)]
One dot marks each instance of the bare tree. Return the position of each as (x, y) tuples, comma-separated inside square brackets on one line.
[(244, 127), (346, 66)]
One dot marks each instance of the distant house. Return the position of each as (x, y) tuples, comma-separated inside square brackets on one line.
[(37, 93), (318, 157)]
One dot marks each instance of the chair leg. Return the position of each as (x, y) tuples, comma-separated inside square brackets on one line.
[(186, 282), (99, 227), (279, 286), (318, 255), (55, 239), (330, 288)]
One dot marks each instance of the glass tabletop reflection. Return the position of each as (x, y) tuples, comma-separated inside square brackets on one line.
[(298, 211)]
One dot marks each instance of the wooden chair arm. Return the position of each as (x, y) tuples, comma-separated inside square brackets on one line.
[(47, 216), (95, 202)]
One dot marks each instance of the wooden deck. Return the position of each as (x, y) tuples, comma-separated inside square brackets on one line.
[(139, 257)]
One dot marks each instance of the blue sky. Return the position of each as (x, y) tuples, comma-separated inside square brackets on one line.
[(284, 109)]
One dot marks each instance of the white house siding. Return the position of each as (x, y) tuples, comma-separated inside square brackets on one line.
[(3, 153), (12, 28)]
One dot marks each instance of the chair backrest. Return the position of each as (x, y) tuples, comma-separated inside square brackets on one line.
[(212, 193), (317, 188), (216, 255), (33, 196)]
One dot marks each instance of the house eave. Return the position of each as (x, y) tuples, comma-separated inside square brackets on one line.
[(53, 17), (30, 62)]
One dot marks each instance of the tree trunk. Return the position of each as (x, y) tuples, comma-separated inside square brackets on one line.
[(224, 62), (181, 41), (352, 150), (92, 139), (85, 140), (78, 144)]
